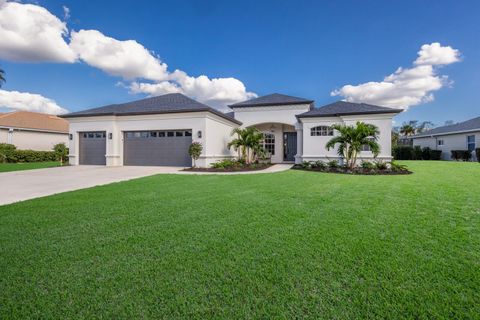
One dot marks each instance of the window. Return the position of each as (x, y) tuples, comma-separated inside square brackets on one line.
[(321, 131), (471, 143), (170, 134), (178, 133), (188, 133), (269, 143), (161, 134), (366, 147), (153, 134), (440, 142)]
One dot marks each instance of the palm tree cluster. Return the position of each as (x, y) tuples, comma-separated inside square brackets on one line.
[(248, 143), (351, 139), (413, 127)]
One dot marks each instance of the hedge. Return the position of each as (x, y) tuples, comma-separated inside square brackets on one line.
[(415, 153), (9, 153), (463, 155)]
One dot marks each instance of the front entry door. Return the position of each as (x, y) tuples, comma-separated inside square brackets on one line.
[(289, 146)]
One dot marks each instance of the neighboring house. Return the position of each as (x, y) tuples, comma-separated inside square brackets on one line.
[(158, 130), (460, 136), (32, 130)]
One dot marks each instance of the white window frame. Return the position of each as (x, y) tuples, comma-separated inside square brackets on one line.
[(268, 142), (321, 131), (440, 142), (471, 142)]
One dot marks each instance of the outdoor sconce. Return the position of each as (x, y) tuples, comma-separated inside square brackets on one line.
[(110, 136), (199, 134), (70, 136)]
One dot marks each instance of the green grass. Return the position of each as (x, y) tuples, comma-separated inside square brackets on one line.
[(6, 167), (287, 245)]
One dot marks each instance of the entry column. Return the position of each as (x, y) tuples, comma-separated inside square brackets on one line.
[(299, 129)]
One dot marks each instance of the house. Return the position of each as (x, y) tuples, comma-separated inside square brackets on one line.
[(459, 136), (159, 130), (32, 130)]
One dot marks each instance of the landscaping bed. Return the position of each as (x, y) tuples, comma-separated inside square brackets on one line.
[(232, 166), (366, 168)]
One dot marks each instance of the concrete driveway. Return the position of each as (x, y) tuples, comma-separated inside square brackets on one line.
[(23, 185)]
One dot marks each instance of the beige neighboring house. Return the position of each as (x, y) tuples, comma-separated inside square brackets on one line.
[(32, 130)]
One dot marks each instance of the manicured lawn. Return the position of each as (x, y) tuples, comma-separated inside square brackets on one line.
[(287, 245), (5, 167)]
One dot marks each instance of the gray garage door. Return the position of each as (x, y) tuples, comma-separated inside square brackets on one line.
[(157, 148), (93, 148)]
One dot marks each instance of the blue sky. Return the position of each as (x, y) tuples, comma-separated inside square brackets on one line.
[(300, 48)]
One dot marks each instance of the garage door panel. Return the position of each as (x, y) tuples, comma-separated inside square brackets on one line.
[(157, 148), (93, 147)]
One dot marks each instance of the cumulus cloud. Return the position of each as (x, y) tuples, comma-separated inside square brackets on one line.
[(127, 59), (406, 87), (30, 33), (25, 101)]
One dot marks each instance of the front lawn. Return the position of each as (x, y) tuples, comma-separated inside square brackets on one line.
[(5, 167), (287, 245)]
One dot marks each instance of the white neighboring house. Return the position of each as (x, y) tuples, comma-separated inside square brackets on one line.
[(158, 130), (32, 130), (460, 136)]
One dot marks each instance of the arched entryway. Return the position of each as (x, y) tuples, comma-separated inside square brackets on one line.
[(280, 140)]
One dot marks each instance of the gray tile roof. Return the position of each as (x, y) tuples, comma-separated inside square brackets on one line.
[(469, 125), (346, 108), (168, 103), (274, 99)]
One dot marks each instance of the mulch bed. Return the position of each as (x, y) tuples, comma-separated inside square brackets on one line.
[(357, 171), (255, 167)]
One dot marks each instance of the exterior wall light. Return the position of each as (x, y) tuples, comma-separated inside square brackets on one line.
[(199, 134), (110, 135), (70, 136)]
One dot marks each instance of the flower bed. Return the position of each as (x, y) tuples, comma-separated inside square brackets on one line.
[(228, 165), (366, 168)]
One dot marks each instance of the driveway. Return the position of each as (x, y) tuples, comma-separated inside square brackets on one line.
[(23, 185)]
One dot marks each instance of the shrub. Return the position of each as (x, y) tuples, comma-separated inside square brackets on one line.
[(394, 166), (61, 152), (381, 165), (463, 155), (417, 153), (6, 150), (226, 163), (477, 153), (319, 164), (435, 154), (306, 165), (403, 152), (195, 150), (333, 164), (368, 165), (426, 153)]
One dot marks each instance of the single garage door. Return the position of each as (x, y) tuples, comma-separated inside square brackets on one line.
[(93, 147), (157, 148)]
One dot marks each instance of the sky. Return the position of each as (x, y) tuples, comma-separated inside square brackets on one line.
[(420, 56)]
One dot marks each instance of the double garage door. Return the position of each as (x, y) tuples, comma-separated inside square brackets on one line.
[(140, 148), (157, 148)]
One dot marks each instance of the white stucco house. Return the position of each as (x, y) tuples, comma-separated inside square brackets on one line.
[(158, 130), (460, 136)]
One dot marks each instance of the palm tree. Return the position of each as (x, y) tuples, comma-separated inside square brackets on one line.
[(351, 140), (248, 143), (425, 126), (2, 77), (407, 130)]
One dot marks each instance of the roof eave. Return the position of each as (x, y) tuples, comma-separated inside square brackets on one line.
[(233, 106), (396, 111), (218, 113)]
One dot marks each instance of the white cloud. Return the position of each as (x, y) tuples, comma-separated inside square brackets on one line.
[(406, 87), (127, 59), (30, 33), (26, 101), (66, 12), (435, 54)]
